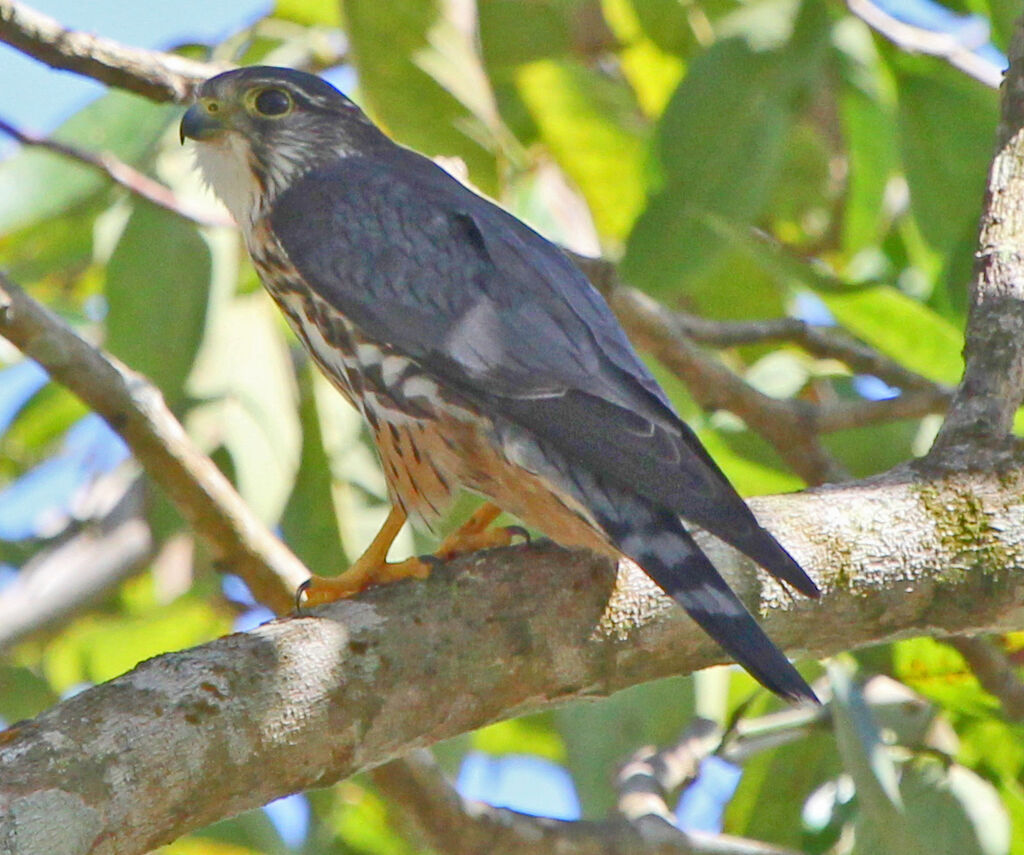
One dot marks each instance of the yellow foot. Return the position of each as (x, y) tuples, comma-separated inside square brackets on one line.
[(476, 533), (371, 569), (317, 590)]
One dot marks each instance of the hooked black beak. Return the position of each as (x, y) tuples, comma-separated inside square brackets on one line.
[(199, 123)]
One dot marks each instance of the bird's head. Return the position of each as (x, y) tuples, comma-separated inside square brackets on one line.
[(259, 129)]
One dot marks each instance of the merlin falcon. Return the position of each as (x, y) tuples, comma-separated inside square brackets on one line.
[(481, 358)]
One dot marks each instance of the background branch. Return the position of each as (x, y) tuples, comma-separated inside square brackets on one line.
[(135, 409), (154, 74), (137, 183)]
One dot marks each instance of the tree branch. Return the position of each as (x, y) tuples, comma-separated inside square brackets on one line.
[(715, 387), (993, 382), (306, 701), (137, 183), (996, 673), (60, 580), (154, 74), (135, 409)]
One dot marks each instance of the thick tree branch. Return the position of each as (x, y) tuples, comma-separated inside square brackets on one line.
[(135, 409), (154, 74), (307, 701), (993, 382)]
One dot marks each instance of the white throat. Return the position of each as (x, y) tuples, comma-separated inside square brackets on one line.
[(225, 166)]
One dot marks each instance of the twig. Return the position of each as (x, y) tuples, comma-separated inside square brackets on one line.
[(135, 409), (432, 811), (919, 40), (996, 673), (652, 775), (154, 74), (119, 172), (825, 342)]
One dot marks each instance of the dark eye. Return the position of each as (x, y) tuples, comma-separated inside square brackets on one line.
[(273, 102)]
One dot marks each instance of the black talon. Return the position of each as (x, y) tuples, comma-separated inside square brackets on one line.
[(298, 595), (519, 531)]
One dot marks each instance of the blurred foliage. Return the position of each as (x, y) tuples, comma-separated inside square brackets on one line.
[(657, 132)]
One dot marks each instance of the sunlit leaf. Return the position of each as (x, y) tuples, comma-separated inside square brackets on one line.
[(99, 647), (587, 123), (903, 328), (325, 13), (721, 145)]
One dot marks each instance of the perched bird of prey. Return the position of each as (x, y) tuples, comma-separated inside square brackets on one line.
[(480, 356)]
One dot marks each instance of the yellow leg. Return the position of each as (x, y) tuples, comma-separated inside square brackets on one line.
[(371, 568), (475, 533)]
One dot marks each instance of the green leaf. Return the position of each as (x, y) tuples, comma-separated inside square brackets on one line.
[(36, 185), (309, 523), (901, 328), (100, 647), (953, 810), (23, 693), (600, 735), (748, 463), (591, 126), (157, 290), (947, 128), (869, 129), (535, 734), (939, 672), (721, 146), (508, 37), (245, 373), (390, 43), (767, 804), (882, 826), (323, 13)]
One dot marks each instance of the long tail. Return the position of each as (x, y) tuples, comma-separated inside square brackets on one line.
[(657, 541)]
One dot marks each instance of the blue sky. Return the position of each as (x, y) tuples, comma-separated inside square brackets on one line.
[(37, 98)]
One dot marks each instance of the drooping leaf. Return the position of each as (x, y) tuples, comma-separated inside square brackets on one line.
[(309, 522), (947, 127), (245, 374), (591, 126), (157, 290)]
